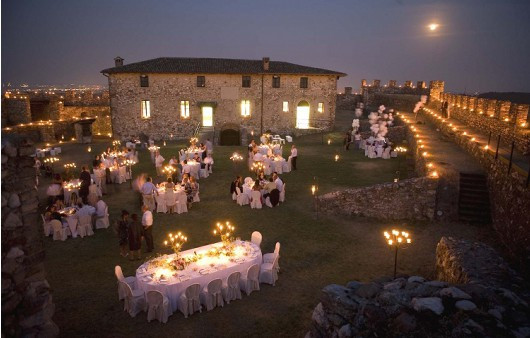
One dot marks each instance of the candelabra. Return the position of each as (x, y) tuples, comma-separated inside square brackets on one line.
[(397, 239)]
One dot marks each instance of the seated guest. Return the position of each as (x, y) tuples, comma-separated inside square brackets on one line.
[(261, 178), (74, 200), (96, 162), (238, 182), (173, 161), (188, 190), (256, 186), (278, 181), (59, 204), (93, 195), (257, 157), (169, 183), (194, 186), (197, 158), (208, 160), (85, 210), (270, 185), (51, 214), (101, 207), (186, 168)]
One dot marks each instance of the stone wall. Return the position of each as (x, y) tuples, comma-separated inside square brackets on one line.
[(224, 93), (465, 262), (416, 307), (413, 198), (27, 306), (48, 132), (396, 101), (509, 195), (348, 101), (102, 125), (510, 120), (15, 110)]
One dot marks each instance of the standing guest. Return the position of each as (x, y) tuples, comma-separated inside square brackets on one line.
[(294, 156), (159, 163), (96, 162), (173, 161), (85, 183), (186, 168), (147, 223), (148, 190), (208, 161), (135, 237), (123, 233)]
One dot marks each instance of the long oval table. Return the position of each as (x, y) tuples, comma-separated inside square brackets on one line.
[(172, 283)]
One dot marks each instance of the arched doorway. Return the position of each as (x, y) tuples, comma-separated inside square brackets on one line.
[(230, 135), (302, 115)]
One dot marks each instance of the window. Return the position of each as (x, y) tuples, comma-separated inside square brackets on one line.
[(275, 81), (320, 107), (245, 108), (144, 81), (185, 109), (246, 81), (201, 81), (146, 109), (285, 106), (303, 82)]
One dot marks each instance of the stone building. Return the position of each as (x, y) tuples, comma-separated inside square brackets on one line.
[(173, 97)]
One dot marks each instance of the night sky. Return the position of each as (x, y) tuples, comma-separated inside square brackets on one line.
[(481, 45)]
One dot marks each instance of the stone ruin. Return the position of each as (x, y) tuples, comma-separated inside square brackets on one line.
[(27, 306), (412, 306)]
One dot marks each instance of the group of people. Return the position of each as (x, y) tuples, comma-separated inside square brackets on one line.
[(131, 230), (148, 189), (269, 187), (273, 152)]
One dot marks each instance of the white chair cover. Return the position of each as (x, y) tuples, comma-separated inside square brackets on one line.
[(289, 138), (386, 153), (255, 200), (278, 166), (157, 306), (59, 234), (268, 202), (234, 196), (72, 225), (57, 150), (286, 166), (196, 197), (47, 227), (195, 171), (84, 227), (242, 199), (282, 194), (250, 282), (103, 222), (210, 168), (182, 203), (131, 281), (161, 203), (269, 257), (256, 238), (189, 301), (393, 153), (212, 295), (170, 201), (248, 180), (231, 290), (203, 173), (122, 175), (269, 273), (134, 300)]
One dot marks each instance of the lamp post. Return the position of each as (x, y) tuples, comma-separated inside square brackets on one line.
[(129, 164), (314, 192), (397, 239), (399, 150)]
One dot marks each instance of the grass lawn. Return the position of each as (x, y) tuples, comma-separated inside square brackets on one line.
[(314, 252)]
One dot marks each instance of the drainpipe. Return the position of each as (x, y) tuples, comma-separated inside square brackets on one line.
[(261, 118)]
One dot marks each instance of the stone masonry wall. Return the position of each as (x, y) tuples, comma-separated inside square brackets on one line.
[(413, 198), (510, 120), (509, 195), (102, 125), (165, 92), (15, 111), (27, 306)]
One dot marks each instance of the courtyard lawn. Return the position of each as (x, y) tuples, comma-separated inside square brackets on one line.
[(313, 253)]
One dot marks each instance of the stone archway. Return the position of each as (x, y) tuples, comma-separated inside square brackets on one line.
[(230, 135)]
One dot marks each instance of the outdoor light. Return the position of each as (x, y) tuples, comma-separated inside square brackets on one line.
[(473, 139), (329, 141), (89, 149), (434, 174), (397, 239), (486, 147), (164, 143), (336, 158), (425, 154)]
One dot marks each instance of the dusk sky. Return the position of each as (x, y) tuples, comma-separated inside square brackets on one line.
[(480, 45)]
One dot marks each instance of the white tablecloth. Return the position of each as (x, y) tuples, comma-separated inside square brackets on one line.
[(200, 272)]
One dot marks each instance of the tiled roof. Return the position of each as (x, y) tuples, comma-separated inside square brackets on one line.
[(216, 66)]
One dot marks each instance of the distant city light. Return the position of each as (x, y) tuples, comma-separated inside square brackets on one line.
[(433, 26)]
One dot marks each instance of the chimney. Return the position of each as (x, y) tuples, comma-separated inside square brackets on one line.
[(118, 61), (266, 62)]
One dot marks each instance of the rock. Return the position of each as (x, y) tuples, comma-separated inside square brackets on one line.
[(465, 305), (436, 284), (337, 297), (474, 326), (15, 252), (353, 285), (454, 293), (367, 290), (405, 322), (10, 151), (345, 331), (495, 313), (14, 201), (513, 297), (416, 279), (433, 304), (522, 332), (395, 285), (4, 159), (12, 221), (319, 316)]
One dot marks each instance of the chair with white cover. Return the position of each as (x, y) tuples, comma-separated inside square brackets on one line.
[(255, 199), (242, 199), (170, 201), (269, 257), (231, 290), (256, 238), (189, 301), (52, 152), (134, 300), (182, 203), (234, 196), (196, 197), (157, 306), (212, 295), (393, 153), (248, 180), (288, 138), (210, 168), (57, 150), (47, 227), (131, 281), (250, 282), (282, 194), (195, 171), (203, 172), (58, 232), (268, 202), (72, 225), (161, 202), (278, 166), (122, 175), (103, 222), (286, 166), (84, 226), (386, 153), (268, 272)]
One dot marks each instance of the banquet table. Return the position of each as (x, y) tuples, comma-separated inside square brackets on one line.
[(69, 215), (190, 153), (172, 283)]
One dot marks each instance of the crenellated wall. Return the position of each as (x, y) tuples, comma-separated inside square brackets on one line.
[(508, 119)]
